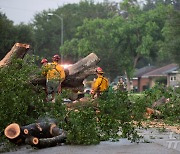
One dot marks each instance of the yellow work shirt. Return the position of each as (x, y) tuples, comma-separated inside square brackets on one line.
[(100, 84), (54, 71)]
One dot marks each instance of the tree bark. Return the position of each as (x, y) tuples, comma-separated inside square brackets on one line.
[(39, 130), (19, 50)]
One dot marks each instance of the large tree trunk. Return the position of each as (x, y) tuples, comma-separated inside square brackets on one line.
[(18, 51), (75, 74)]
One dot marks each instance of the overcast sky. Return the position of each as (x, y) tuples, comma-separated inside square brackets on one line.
[(24, 10)]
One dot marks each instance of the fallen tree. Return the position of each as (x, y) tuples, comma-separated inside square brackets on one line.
[(75, 74)]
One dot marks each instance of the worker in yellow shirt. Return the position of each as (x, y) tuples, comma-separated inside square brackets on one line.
[(55, 75), (100, 84)]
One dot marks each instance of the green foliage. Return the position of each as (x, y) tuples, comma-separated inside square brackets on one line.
[(82, 127), (171, 32), (18, 101), (170, 110), (114, 115), (120, 42), (117, 114), (48, 28)]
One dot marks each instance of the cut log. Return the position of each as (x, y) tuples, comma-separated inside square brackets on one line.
[(43, 129), (75, 74), (46, 142), (40, 130), (31, 140), (14, 133), (49, 142), (19, 50), (150, 112)]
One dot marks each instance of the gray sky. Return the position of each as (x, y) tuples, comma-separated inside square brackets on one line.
[(24, 10)]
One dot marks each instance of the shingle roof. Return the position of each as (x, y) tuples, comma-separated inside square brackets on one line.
[(144, 70), (162, 71)]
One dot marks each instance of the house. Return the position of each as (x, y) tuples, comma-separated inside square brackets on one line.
[(146, 77)]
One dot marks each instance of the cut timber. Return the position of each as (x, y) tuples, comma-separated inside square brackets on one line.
[(17, 134), (18, 51), (41, 130), (14, 133), (32, 140), (76, 73), (46, 142), (150, 112)]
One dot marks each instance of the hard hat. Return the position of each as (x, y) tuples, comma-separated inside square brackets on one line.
[(99, 70), (56, 57), (44, 61)]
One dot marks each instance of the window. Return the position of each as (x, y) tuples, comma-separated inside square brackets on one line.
[(173, 78)]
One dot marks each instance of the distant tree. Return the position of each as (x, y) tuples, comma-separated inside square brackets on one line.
[(6, 35), (171, 32), (121, 41), (24, 34), (11, 34), (48, 28)]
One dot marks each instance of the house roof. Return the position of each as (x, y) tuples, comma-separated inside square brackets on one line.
[(140, 72), (162, 71)]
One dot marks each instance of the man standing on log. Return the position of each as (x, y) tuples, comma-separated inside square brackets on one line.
[(54, 77), (100, 84)]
